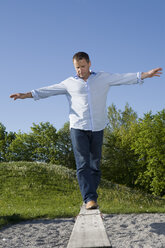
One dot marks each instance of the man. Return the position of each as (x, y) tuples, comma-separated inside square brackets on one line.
[(87, 93)]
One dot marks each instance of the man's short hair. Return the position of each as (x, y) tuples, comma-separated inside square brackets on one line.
[(81, 55)]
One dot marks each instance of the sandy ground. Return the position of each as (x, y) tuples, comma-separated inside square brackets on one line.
[(136, 230), (124, 231)]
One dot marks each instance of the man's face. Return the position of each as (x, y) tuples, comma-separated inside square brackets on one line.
[(82, 68)]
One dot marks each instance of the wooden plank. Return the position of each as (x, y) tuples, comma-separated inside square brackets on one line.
[(88, 230)]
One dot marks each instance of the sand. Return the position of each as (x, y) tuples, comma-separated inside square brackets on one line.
[(124, 231), (136, 230)]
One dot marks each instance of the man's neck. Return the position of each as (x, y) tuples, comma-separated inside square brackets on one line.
[(87, 76)]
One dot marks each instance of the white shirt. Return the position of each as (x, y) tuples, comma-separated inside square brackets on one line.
[(87, 99)]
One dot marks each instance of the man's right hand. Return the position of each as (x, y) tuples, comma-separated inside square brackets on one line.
[(21, 95)]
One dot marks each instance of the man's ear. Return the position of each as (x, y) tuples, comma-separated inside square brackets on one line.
[(89, 63)]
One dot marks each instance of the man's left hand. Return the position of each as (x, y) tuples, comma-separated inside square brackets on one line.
[(152, 73)]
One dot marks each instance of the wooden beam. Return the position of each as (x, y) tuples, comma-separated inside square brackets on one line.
[(88, 230)]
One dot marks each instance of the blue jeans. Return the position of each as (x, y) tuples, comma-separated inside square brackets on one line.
[(87, 147)]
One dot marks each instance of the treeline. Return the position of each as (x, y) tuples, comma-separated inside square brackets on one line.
[(43, 144), (133, 150)]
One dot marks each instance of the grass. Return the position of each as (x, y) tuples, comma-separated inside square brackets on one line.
[(38, 190)]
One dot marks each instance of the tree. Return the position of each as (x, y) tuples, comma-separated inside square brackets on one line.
[(119, 160), (38, 145), (45, 137), (22, 147), (2, 142), (65, 154), (5, 141), (134, 150), (118, 118), (149, 145), (43, 144)]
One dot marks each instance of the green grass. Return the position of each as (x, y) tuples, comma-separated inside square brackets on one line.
[(38, 190)]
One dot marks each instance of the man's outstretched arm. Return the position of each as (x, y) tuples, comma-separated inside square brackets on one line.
[(21, 95), (152, 73)]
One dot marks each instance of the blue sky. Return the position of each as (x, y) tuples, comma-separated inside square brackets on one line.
[(39, 37)]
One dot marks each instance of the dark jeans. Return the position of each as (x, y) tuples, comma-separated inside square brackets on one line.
[(87, 146)]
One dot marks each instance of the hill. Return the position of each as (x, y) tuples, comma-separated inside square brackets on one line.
[(39, 190)]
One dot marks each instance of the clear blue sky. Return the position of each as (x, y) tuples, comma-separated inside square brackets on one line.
[(39, 37)]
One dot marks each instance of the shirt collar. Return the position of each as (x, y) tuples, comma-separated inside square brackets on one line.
[(91, 73)]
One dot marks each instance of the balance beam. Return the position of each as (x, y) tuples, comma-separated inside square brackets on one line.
[(88, 230)]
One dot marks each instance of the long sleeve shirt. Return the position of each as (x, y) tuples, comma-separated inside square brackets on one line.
[(87, 99)]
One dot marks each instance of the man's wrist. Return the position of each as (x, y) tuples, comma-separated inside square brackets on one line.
[(28, 95), (144, 75)]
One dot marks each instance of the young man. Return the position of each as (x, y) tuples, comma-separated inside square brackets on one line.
[(87, 93)]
